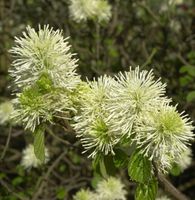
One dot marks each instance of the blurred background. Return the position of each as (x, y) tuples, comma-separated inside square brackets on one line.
[(153, 34)]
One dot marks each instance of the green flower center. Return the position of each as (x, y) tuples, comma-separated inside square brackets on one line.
[(170, 123)]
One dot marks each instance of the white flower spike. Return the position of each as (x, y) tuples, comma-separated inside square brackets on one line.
[(29, 159), (163, 134), (135, 93), (111, 189), (94, 124), (44, 72), (82, 10), (84, 195), (43, 52)]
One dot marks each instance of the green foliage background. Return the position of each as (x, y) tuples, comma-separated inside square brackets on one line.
[(140, 33)]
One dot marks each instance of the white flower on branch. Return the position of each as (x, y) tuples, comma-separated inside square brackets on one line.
[(111, 189), (84, 195), (135, 93), (94, 123), (44, 71), (82, 10), (108, 189), (32, 108), (43, 52), (29, 159), (163, 134)]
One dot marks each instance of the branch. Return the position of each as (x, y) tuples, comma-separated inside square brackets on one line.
[(41, 182), (171, 189), (148, 61), (48, 130), (150, 12), (7, 143)]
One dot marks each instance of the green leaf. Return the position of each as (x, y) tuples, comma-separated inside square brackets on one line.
[(17, 181), (147, 191), (139, 168), (191, 57), (188, 69), (104, 165), (120, 158), (185, 80), (103, 168), (175, 170), (62, 168), (109, 165), (95, 180), (95, 163), (61, 193), (2, 175), (191, 96), (39, 144), (20, 170)]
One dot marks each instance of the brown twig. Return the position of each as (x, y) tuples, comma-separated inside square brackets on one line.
[(114, 21), (7, 143), (150, 12), (150, 57), (170, 188), (56, 137), (41, 182)]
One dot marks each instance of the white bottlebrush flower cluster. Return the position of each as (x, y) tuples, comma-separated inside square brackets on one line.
[(133, 106), (109, 189), (6, 109), (94, 122), (82, 10), (130, 108), (29, 159), (136, 93), (44, 73), (84, 195), (163, 134), (43, 52)]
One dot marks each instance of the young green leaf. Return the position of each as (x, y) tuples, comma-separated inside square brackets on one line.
[(39, 144), (103, 168), (120, 159), (139, 168), (175, 170), (96, 165), (191, 96), (189, 69), (147, 191), (104, 165), (109, 164)]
